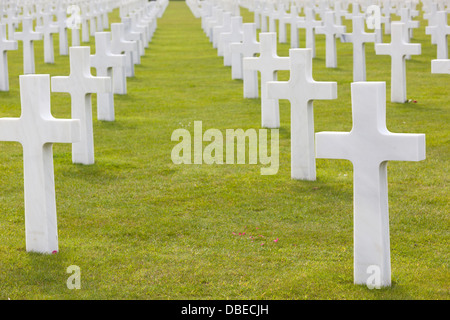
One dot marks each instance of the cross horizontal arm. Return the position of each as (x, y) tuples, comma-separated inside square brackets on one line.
[(320, 90), (332, 145), (61, 130), (279, 90), (404, 146), (84, 86), (8, 129)]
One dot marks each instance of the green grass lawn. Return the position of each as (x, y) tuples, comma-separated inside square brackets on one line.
[(141, 227)]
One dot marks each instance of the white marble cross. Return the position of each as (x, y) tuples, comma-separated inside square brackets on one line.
[(257, 8), (75, 33), (439, 33), (247, 48), (268, 63), (104, 61), (405, 17), (358, 37), (215, 19), (310, 24), (62, 27), (387, 11), (264, 14), (85, 34), (130, 35), (356, 11), (37, 130), (225, 26), (369, 146), (293, 19), (92, 19), (48, 29), (339, 12), (272, 16), (234, 36), (398, 49), (131, 50), (5, 45), (280, 14), (27, 36), (81, 84), (301, 90), (11, 21), (330, 30), (139, 25), (431, 17)]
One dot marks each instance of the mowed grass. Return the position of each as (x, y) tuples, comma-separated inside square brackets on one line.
[(141, 227)]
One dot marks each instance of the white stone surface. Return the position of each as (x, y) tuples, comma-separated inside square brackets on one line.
[(358, 38), (268, 63), (331, 30), (247, 48), (301, 90), (5, 45), (339, 11), (119, 46), (369, 146), (131, 35), (409, 23), (85, 34), (292, 18), (28, 36), (37, 130), (440, 66), (439, 33), (398, 49), (226, 38), (75, 32), (61, 22), (80, 84), (225, 26), (12, 21), (104, 61), (280, 14), (310, 24), (48, 29)]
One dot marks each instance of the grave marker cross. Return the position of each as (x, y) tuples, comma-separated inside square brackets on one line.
[(310, 24), (247, 48), (268, 63), (27, 36), (62, 27), (80, 84), (398, 49), (330, 30), (131, 50), (369, 146), (48, 29), (439, 33), (293, 19), (104, 61), (358, 37), (301, 90), (37, 130), (5, 45), (226, 38)]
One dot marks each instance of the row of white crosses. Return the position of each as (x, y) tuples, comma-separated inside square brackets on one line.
[(439, 30), (37, 129), (406, 10), (46, 27), (87, 10), (369, 145)]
